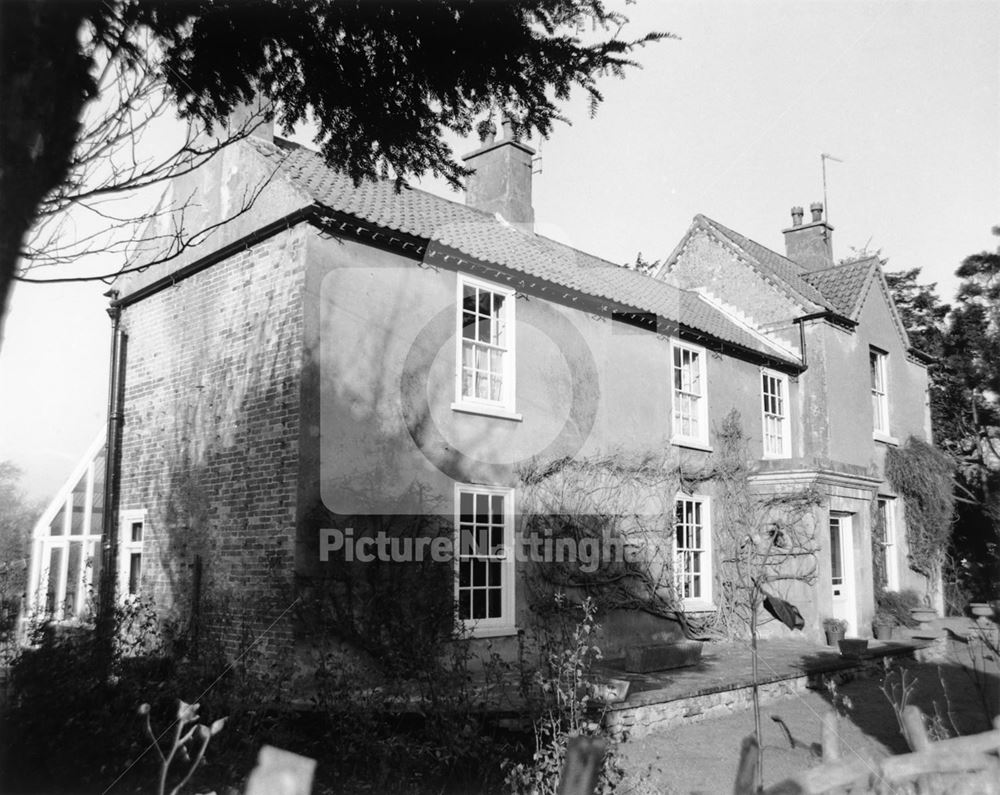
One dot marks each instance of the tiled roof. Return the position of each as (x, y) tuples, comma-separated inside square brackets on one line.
[(773, 264), (845, 285), (488, 239)]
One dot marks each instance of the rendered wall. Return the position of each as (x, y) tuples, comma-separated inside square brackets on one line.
[(380, 352)]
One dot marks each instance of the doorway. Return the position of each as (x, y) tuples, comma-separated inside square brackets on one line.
[(844, 600)]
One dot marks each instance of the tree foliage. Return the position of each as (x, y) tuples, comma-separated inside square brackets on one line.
[(383, 82), (17, 516)]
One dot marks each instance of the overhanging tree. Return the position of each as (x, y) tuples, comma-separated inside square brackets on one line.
[(383, 82)]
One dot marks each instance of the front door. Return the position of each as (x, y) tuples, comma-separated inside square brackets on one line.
[(842, 571)]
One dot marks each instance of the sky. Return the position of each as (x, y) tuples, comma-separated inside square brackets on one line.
[(728, 121)]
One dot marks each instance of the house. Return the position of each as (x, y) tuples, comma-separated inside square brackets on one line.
[(337, 359)]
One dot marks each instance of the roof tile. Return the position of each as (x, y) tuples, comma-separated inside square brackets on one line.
[(489, 239), (844, 285)]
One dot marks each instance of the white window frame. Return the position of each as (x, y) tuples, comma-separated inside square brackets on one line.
[(504, 624), (127, 547), (891, 550), (89, 539), (704, 600), (699, 440), (784, 425), (879, 390), (505, 407)]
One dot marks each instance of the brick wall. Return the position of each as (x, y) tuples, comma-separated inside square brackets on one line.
[(708, 263), (210, 438)]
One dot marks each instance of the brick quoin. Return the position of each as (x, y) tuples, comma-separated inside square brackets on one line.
[(210, 440)]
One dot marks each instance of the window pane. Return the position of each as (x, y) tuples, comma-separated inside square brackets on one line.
[(58, 524), (52, 583), (479, 603), (493, 573), (836, 565), (137, 531), (478, 573), (79, 504), (134, 572), (74, 574), (495, 610)]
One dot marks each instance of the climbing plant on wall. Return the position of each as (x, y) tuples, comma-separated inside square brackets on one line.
[(602, 526), (764, 537), (923, 476)]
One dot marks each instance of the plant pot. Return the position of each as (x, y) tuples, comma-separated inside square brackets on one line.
[(923, 614), (981, 609), (883, 631), (834, 636), (852, 647)]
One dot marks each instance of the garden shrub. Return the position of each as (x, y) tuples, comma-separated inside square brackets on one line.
[(70, 725), (569, 709), (898, 604)]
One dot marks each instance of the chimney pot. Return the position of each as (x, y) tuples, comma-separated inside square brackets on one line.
[(508, 128), (810, 245)]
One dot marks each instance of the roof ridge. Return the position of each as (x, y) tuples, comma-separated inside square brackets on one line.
[(485, 238), (284, 143), (861, 261), (755, 242)]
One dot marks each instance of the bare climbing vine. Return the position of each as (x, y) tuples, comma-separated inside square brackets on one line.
[(620, 502), (613, 517), (765, 536)]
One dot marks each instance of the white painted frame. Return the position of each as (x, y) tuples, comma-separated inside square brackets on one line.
[(705, 600), (506, 406), (127, 547), (677, 436), (891, 543), (784, 419), (42, 543), (880, 391), (845, 603), (505, 624)]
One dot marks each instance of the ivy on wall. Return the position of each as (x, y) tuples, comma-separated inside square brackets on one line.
[(923, 476)]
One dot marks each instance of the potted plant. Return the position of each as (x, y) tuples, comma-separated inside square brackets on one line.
[(835, 629), (882, 624), (852, 647)]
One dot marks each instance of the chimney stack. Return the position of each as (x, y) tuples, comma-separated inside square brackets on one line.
[(810, 245), (501, 177)]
